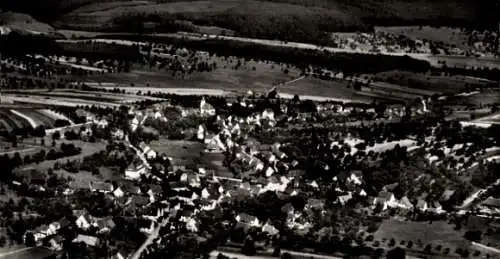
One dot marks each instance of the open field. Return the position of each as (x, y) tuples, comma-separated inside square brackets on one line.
[(429, 83), (483, 98), (27, 253), (447, 35), (87, 149), (466, 62), (189, 153), (226, 81), (437, 233)]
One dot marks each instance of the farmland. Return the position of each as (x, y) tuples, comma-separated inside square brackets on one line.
[(19, 118), (429, 83)]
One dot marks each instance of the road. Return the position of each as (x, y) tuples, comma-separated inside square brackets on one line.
[(18, 251), (149, 240)]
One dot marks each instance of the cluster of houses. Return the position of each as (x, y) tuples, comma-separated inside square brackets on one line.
[(386, 200)]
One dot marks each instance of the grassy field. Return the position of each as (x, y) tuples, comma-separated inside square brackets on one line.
[(430, 83), (188, 153), (437, 233), (446, 35), (87, 149)]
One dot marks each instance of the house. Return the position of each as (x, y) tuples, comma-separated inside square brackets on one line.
[(134, 172), (447, 194), (421, 205), (117, 134), (56, 243), (83, 219), (88, 240), (404, 203), (345, 198), (247, 219), (191, 179), (118, 192), (153, 191), (42, 232), (206, 109), (270, 229), (147, 151), (385, 199), (146, 226), (101, 187), (201, 133), (208, 205), (105, 224)]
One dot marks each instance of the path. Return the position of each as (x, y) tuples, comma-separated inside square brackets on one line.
[(149, 240), (3, 255)]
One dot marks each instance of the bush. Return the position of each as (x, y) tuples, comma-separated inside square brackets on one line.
[(369, 238), (410, 244), (392, 242), (474, 236)]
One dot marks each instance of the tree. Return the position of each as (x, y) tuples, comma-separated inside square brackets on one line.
[(396, 253), (56, 135), (30, 239), (249, 247), (277, 251), (473, 235), (392, 242), (409, 244), (428, 248)]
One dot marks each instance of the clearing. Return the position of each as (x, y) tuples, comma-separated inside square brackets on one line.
[(439, 232), (190, 154)]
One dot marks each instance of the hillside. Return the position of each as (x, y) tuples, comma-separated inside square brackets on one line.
[(23, 24), (380, 12)]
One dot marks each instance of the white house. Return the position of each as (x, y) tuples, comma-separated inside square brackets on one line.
[(200, 134), (386, 200), (206, 109), (248, 220), (83, 222), (135, 172), (118, 192)]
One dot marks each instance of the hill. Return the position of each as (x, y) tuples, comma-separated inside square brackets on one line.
[(292, 20), (379, 12), (23, 24)]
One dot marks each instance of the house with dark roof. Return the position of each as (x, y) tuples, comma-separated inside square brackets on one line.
[(101, 187), (385, 199), (139, 201)]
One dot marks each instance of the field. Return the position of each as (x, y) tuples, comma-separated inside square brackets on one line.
[(21, 117), (451, 36), (483, 98), (466, 62), (24, 24), (429, 83), (87, 149), (188, 153), (437, 233)]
